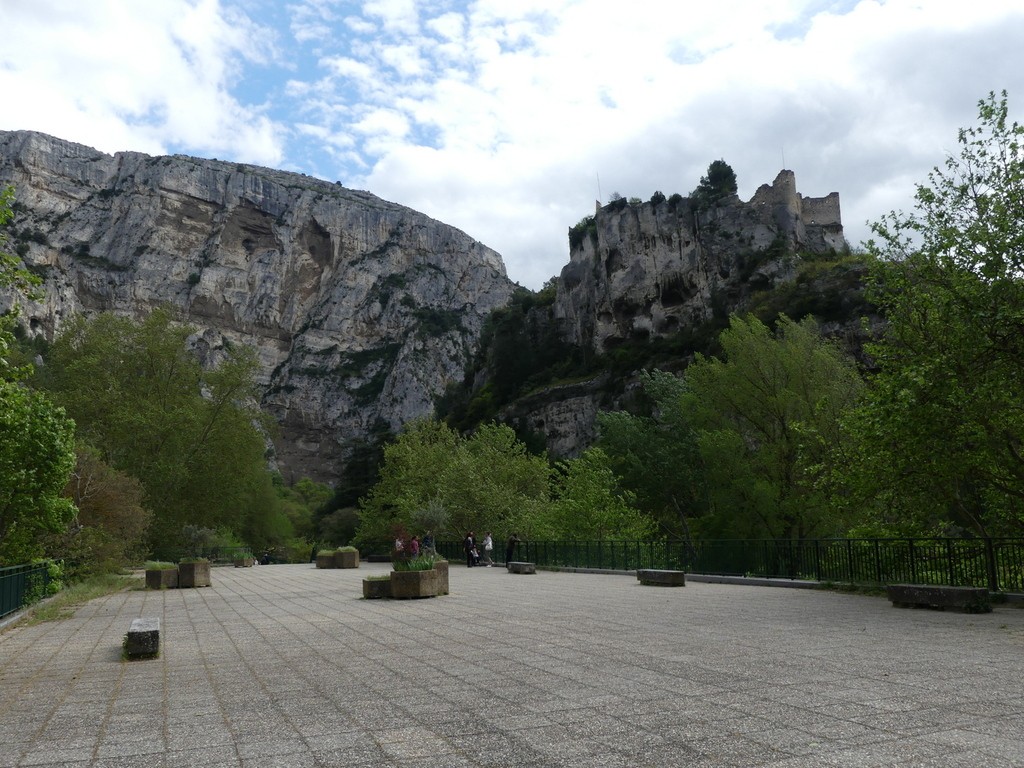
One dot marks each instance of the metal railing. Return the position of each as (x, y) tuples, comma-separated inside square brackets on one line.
[(20, 583), (995, 563)]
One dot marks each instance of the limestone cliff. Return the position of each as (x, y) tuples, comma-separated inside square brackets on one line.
[(361, 311), (645, 270), (648, 283)]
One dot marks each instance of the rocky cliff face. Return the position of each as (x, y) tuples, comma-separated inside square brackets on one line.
[(361, 311), (644, 271), (648, 270)]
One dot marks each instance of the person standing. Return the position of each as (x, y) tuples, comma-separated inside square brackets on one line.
[(510, 547), (488, 547), (414, 546), (469, 544)]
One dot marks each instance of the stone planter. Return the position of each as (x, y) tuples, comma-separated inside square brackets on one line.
[(346, 559), (193, 575), (325, 561), (244, 562), (374, 589), (407, 584), (162, 578), (441, 566)]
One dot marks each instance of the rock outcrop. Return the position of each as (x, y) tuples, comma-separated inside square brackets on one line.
[(361, 311), (643, 271), (638, 271)]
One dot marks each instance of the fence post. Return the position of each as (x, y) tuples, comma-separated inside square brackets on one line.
[(878, 563), (990, 565), (949, 562)]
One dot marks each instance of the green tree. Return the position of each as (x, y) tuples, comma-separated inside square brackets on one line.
[(719, 182), (187, 434), (939, 444), (36, 457), (486, 481), (766, 416), (409, 479), (657, 455), (589, 503)]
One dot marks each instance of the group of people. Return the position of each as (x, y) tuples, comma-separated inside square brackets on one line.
[(473, 556), (482, 555), (415, 547)]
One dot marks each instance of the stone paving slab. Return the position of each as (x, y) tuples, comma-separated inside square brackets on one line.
[(287, 665)]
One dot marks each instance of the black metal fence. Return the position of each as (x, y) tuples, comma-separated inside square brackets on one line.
[(21, 583), (997, 564)]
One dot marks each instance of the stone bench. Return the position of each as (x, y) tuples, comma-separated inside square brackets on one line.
[(651, 577), (940, 597), (521, 567), (143, 639)]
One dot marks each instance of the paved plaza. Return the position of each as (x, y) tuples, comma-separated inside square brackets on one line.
[(287, 665)]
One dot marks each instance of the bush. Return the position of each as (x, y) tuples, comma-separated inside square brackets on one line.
[(159, 565)]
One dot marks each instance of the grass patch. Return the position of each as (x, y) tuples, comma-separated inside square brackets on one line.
[(62, 605)]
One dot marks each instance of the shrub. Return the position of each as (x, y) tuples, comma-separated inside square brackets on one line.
[(159, 565), (421, 563)]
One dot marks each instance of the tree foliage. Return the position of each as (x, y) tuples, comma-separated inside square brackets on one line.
[(487, 481), (589, 503), (187, 434), (657, 455), (738, 446), (719, 182), (939, 444), (434, 480), (36, 457), (767, 415)]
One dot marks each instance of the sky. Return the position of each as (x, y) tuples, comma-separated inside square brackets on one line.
[(509, 118)]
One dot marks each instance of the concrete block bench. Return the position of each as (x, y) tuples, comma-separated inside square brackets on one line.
[(651, 577), (521, 567), (143, 639), (939, 597)]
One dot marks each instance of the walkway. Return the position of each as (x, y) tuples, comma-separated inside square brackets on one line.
[(288, 666)]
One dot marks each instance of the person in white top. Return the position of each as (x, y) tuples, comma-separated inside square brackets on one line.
[(488, 546)]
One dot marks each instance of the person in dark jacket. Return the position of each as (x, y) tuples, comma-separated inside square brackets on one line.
[(469, 544), (510, 547)]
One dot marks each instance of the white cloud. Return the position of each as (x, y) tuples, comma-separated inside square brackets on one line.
[(118, 75), (507, 119)]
